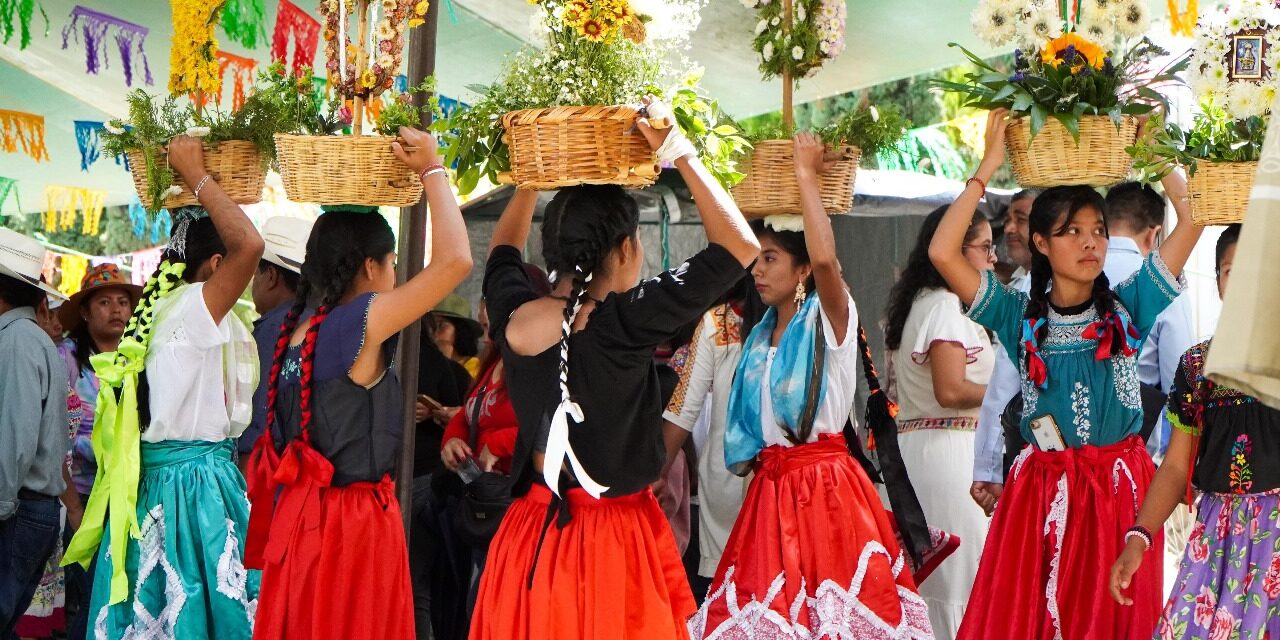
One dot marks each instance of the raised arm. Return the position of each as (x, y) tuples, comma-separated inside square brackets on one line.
[(819, 239), (450, 250), (946, 251), (721, 218), (513, 227), (235, 229), (1177, 247)]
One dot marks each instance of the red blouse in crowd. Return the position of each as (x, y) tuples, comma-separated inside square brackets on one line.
[(498, 426)]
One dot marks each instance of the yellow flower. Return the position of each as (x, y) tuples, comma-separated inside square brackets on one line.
[(368, 79), (421, 8), (573, 17), (416, 22), (1054, 52), (592, 30)]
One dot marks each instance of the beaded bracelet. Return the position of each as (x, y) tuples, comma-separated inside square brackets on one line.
[(430, 170), (1140, 531), (980, 184)]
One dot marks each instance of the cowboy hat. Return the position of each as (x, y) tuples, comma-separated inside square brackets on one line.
[(104, 276), (286, 241), (22, 259)]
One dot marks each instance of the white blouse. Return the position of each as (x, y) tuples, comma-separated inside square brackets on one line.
[(840, 370), (185, 372), (936, 316)]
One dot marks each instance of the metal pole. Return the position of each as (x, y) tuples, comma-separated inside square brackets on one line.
[(412, 255)]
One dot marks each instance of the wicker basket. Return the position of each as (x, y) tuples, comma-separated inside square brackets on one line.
[(235, 165), (345, 170), (1054, 159), (566, 146), (1220, 191), (770, 186)]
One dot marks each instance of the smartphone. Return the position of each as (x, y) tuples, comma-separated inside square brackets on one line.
[(468, 470), (430, 402), (1045, 431)]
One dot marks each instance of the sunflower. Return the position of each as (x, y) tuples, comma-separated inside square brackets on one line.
[(592, 30), (1070, 44)]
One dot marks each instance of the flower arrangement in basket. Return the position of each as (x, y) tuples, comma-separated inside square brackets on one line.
[(356, 168), (794, 38), (1082, 74), (238, 145), (771, 188), (564, 113), (1231, 74)]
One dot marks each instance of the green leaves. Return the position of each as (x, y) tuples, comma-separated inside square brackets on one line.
[(1213, 137)]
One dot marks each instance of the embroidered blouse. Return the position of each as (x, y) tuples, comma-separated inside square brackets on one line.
[(1092, 401), (1239, 436), (936, 316)]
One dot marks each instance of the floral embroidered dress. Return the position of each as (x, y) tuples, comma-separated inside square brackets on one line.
[(1065, 512), (1228, 585)]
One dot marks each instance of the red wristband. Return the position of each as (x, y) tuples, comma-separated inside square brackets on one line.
[(980, 184)]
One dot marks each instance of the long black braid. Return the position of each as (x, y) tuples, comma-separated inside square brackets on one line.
[(581, 226), (1051, 215), (340, 242)]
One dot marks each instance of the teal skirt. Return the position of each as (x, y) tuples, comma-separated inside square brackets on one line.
[(186, 575)]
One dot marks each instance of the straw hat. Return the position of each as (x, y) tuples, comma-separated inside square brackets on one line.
[(22, 259), (104, 276)]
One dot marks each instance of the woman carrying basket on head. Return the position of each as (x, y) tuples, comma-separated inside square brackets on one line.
[(585, 551)]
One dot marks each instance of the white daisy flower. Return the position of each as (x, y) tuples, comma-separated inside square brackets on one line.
[(1099, 9), (797, 52), (173, 190), (767, 51), (993, 24), (775, 21), (1039, 28), (1099, 30), (761, 26), (1246, 99), (825, 47), (800, 14), (1133, 19)]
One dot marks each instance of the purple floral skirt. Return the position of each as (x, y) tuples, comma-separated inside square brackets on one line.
[(1228, 585)]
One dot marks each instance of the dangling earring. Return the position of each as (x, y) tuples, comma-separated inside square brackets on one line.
[(801, 294)]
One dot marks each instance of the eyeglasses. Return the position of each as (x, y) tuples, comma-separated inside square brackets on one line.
[(986, 247)]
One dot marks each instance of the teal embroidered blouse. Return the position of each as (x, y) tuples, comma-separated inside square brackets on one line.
[(1093, 402)]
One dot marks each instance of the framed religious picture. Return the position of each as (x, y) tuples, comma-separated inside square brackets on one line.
[(1246, 56)]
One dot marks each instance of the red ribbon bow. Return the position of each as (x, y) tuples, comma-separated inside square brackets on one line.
[(1113, 331)]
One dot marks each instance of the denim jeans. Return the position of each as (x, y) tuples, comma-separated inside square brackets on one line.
[(27, 539)]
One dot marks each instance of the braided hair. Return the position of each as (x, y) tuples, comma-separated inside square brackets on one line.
[(197, 242), (580, 227), (1051, 215), (340, 242), (919, 274)]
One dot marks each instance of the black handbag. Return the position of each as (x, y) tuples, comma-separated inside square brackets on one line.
[(484, 500)]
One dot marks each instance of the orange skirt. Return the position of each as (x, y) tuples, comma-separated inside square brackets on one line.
[(612, 572)]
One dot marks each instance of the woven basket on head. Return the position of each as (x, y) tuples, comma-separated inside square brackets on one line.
[(770, 187), (1220, 191), (345, 170), (235, 165), (566, 146), (1053, 158)]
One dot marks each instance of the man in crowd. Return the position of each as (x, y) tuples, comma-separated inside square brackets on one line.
[(33, 428)]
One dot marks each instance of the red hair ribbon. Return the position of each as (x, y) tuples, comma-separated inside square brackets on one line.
[(1115, 334), (1037, 372)]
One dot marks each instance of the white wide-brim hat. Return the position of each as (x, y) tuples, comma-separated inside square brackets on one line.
[(22, 258), (286, 241)]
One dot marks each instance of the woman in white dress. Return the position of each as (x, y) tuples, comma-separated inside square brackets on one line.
[(939, 364)]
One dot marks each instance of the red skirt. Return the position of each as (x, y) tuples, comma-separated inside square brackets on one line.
[(812, 555), (1057, 530), (336, 561), (611, 573)]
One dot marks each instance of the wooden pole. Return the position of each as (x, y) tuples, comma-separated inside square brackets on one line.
[(788, 117), (362, 59), (413, 244)]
